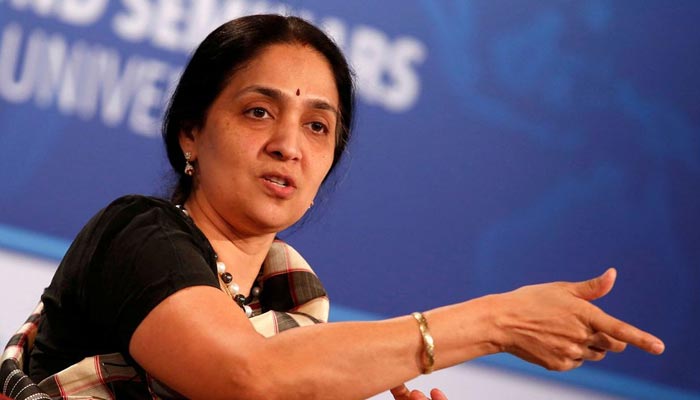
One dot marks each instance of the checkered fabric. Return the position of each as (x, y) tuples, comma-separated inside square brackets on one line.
[(15, 384), (291, 296)]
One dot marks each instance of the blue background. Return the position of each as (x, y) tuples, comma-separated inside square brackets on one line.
[(550, 140)]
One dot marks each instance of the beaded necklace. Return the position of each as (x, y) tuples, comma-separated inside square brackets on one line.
[(226, 280)]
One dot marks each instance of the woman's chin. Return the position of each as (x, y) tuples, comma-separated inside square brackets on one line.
[(275, 220)]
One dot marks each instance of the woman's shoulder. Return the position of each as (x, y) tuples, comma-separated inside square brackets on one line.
[(130, 218), (138, 203), (131, 228), (136, 208)]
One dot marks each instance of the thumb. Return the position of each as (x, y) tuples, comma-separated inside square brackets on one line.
[(399, 392), (597, 287), (437, 394)]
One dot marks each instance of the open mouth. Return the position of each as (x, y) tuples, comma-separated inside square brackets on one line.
[(281, 182)]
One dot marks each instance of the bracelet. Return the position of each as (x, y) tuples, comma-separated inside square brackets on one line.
[(428, 343)]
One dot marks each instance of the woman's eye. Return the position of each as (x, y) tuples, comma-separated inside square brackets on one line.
[(257, 112), (318, 127)]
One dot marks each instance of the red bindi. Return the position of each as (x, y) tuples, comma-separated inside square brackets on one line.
[(298, 92)]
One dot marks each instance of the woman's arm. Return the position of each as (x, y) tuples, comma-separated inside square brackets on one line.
[(199, 344)]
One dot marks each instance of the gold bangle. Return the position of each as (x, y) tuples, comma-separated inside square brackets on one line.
[(428, 343)]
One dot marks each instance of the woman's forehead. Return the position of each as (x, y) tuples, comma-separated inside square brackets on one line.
[(290, 68)]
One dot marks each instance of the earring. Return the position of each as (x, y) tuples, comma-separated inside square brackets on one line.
[(189, 168), (311, 205)]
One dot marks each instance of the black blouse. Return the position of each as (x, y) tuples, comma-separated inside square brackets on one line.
[(125, 261)]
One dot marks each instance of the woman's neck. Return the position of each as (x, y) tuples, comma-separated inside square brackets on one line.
[(243, 254)]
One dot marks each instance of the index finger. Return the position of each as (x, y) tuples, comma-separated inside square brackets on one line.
[(627, 333)]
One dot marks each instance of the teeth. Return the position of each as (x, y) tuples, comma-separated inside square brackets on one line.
[(277, 181)]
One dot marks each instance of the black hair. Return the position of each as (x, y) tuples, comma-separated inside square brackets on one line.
[(226, 50)]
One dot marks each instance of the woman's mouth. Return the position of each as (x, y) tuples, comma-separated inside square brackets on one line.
[(277, 181), (280, 186)]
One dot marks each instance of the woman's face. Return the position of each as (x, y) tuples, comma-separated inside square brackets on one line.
[(268, 139)]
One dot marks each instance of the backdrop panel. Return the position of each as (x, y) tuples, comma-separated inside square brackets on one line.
[(499, 143)]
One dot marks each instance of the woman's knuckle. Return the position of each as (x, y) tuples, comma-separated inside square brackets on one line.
[(619, 330), (573, 351), (551, 367), (580, 336), (565, 365), (620, 346)]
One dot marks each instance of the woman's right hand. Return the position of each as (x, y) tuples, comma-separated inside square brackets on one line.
[(555, 325)]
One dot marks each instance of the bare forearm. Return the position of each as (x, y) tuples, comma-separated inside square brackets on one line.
[(359, 359)]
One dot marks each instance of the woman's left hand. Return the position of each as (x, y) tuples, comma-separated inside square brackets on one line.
[(401, 392)]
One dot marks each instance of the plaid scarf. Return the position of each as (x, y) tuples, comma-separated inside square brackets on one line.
[(292, 296)]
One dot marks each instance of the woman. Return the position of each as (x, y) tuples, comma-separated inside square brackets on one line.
[(259, 119)]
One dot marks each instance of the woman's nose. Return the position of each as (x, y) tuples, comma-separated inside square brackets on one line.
[(284, 143)]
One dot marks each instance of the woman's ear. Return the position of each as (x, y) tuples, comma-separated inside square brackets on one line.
[(188, 141)]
